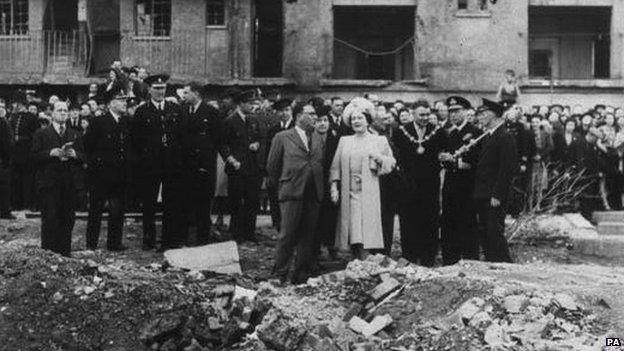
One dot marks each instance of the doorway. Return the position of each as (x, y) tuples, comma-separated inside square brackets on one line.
[(268, 38)]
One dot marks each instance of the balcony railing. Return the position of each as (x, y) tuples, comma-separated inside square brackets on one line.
[(44, 52)]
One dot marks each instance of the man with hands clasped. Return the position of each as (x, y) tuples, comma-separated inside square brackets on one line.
[(58, 158)]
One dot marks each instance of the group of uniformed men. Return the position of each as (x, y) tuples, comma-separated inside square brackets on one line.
[(172, 149)]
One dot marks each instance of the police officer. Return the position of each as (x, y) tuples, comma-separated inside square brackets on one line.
[(159, 136), (106, 148), (205, 133), (24, 126), (242, 139), (459, 218), (5, 157), (495, 169)]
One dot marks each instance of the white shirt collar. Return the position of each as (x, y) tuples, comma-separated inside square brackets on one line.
[(287, 123), (115, 116), (196, 106), (159, 104)]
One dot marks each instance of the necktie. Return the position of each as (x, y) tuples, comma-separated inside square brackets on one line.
[(61, 130), (309, 137)]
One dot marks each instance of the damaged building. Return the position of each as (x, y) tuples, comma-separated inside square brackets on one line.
[(567, 51)]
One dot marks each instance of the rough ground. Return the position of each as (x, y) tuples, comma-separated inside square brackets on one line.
[(132, 301)]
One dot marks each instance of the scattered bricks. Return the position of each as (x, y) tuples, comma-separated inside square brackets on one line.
[(376, 325), (280, 331), (241, 293), (214, 324), (384, 289), (313, 342), (384, 276), (323, 331), (223, 289), (468, 309), (565, 301), (357, 324), (365, 346), (402, 262), (387, 262), (233, 332), (515, 303), (378, 258), (353, 310), (480, 319), (161, 329)]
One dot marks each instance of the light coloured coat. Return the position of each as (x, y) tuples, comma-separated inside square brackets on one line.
[(371, 210)]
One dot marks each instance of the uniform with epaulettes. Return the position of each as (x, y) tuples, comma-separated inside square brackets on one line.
[(24, 126), (159, 135), (459, 238)]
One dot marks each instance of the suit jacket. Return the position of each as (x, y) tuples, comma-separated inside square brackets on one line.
[(497, 166), (291, 167), (5, 143), (206, 139), (74, 125), (339, 129), (51, 171), (420, 174), (106, 148), (567, 156), (24, 126), (160, 139), (238, 135)]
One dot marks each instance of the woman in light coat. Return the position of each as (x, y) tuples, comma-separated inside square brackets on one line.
[(354, 175)]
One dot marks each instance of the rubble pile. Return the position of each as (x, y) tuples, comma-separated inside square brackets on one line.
[(399, 306), (97, 302)]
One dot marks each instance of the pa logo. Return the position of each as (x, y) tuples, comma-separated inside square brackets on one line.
[(613, 342)]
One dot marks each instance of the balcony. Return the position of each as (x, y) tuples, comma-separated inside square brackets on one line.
[(56, 57)]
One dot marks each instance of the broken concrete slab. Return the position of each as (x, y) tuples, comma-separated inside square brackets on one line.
[(384, 289), (280, 331), (376, 325), (357, 324), (219, 258), (515, 303)]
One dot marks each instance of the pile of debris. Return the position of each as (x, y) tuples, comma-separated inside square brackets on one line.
[(98, 302)]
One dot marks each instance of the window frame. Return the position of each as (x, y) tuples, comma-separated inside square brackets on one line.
[(225, 14), (152, 33), (14, 6), (474, 9)]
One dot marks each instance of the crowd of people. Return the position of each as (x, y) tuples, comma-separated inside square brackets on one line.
[(335, 172)]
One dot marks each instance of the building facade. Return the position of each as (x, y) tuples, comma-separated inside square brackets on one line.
[(568, 51)]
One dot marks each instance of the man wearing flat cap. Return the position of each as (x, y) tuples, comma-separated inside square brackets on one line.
[(159, 137), (242, 139), (106, 148), (284, 113), (495, 169), (459, 238)]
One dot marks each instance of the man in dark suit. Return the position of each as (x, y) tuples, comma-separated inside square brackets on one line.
[(337, 127), (417, 147), (5, 159), (295, 165), (242, 140), (283, 109), (205, 133), (495, 169), (24, 126), (106, 148), (57, 151), (159, 138), (459, 237)]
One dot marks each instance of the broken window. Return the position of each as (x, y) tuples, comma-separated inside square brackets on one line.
[(374, 42), (569, 42), (215, 12), (13, 17), (153, 18)]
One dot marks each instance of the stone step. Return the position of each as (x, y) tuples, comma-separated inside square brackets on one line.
[(610, 228), (608, 216), (605, 246)]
